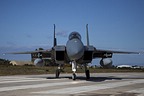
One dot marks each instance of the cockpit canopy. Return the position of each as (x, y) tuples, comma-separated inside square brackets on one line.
[(74, 35)]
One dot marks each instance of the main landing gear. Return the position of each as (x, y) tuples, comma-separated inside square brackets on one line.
[(74, 68), (87, 72), (58, 72)]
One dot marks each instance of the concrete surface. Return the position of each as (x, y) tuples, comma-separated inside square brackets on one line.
[(100, 84)]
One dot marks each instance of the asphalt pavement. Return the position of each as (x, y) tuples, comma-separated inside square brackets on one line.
[(100, 84)]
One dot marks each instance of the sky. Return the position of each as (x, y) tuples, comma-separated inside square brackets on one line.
[(113, 24)]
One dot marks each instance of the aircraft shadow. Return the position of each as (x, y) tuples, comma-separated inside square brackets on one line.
[(93, 79), (96, 79), (99, 79)]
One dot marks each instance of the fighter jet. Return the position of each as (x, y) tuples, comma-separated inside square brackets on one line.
[(75, 52)]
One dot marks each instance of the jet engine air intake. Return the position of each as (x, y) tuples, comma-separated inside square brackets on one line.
[(60, 53), (88, 53)]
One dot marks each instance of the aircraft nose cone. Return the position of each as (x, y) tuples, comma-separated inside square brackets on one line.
[(75, 49)]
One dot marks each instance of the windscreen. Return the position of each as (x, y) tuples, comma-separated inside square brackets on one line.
[(74, 35)]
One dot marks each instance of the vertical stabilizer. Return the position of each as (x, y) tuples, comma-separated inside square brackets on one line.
[(55, 41), (87, 35)]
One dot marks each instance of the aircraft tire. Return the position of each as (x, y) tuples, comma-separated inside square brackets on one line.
[(87, 72), (57, 73), (74, 76)]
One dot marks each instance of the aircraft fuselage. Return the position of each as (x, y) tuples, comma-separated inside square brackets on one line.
[(74, 46)]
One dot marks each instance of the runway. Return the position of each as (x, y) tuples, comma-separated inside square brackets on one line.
[(100, 84)]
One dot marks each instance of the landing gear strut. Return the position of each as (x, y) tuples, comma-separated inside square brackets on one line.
[(74, 76), (57, 72), (74, 70), (87, 72)]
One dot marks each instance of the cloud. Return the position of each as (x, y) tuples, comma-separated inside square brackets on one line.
[(62, 33)]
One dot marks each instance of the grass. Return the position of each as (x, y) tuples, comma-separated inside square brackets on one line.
[(29, 70), (21, 70)]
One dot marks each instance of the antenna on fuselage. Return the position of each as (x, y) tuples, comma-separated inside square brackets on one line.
[(55, 41), (87, 35)]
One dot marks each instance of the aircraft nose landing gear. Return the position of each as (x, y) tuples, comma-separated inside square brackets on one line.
[(74, 66)]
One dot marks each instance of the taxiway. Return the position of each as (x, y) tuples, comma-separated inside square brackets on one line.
[(100, 84)]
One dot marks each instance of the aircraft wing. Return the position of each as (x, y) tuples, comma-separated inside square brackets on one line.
[(31, 52), (118, 52), (100, 53)]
